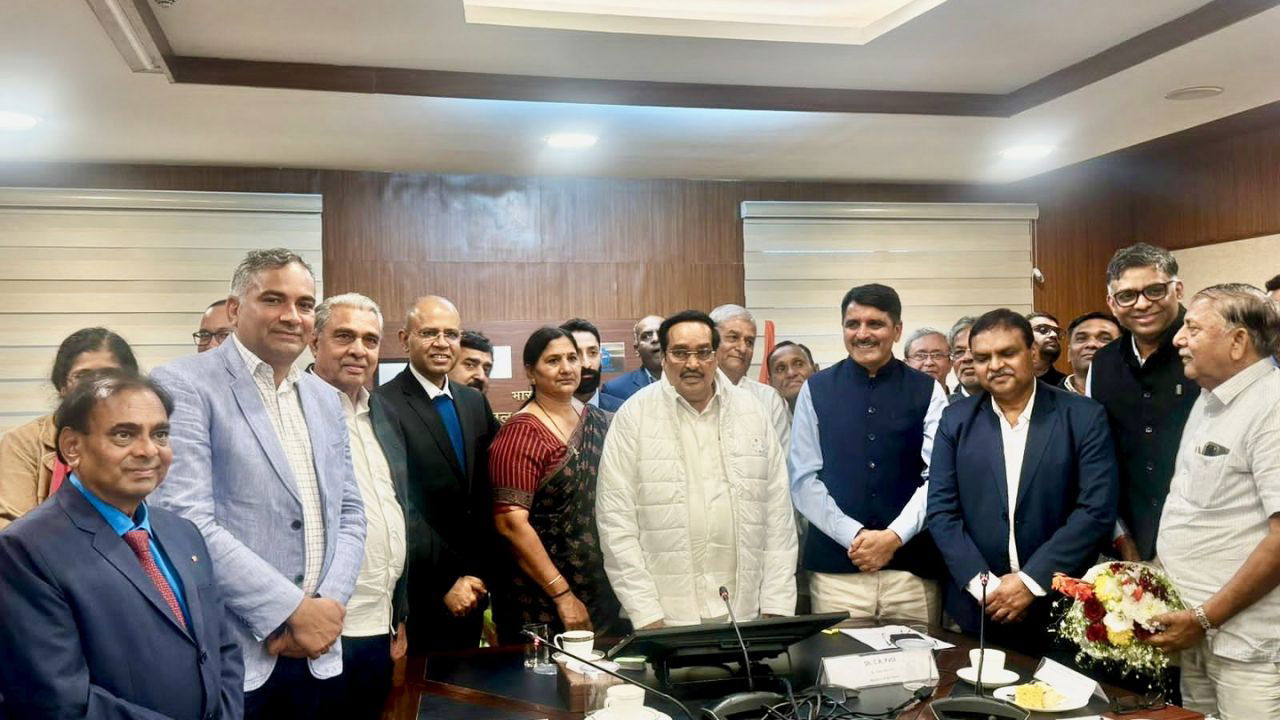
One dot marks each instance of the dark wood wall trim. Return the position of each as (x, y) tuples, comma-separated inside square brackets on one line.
[(1209, 18)]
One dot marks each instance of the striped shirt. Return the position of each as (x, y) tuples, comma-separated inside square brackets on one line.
[(284, 407), (1225, 488)]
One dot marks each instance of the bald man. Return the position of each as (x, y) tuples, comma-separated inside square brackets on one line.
[(646, 345), (446, 429)]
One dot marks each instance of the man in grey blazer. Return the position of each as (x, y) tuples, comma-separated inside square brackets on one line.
[(263, 467)]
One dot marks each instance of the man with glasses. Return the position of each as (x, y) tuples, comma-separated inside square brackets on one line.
[(1138, 378), (962, 360), (446, 429), (692, 493), (1086, 335), (860, 448), (1048, 334), (928, 351), (215, 326)]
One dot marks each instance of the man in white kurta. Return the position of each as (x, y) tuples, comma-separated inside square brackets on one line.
[(692, 494)]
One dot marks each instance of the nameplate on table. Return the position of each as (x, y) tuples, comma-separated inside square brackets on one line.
[(1076, 687), (889, 667)]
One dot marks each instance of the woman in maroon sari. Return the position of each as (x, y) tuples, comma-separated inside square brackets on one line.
[(543, 465)]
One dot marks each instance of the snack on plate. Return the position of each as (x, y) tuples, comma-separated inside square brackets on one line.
[(1037, 696)]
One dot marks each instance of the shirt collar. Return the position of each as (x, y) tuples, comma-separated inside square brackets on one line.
[(432, 389), (361, 406), (1025, 416), (254, 363), (1231, 389), (115, 517)]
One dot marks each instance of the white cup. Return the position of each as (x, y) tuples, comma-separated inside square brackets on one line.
[(578, 642), (622, 698), (994, 663)]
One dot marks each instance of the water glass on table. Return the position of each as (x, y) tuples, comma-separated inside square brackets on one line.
[(537, 654)]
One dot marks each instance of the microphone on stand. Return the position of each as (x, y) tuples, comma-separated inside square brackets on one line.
[(753, 699), (539, 639), (979, 706)]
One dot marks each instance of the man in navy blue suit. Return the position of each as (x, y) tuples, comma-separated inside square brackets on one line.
[(646, 345), (1023, 484), (109, 606)]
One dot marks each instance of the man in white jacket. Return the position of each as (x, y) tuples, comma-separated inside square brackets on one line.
[(692, 493)]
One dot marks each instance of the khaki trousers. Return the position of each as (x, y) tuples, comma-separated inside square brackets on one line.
[(1231, 689), (879, 596)]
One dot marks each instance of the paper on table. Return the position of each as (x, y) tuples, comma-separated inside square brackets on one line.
[(1076, 687), (877, 638)]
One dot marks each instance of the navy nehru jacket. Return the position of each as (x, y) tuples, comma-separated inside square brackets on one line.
[(859, 458)]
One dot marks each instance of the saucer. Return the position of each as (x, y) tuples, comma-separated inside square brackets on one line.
[(613, 714), (595, 656), (994, 678)]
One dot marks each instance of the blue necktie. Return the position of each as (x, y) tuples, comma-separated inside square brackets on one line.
[(449, 416)]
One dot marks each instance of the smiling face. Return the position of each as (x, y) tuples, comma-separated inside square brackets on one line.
[(647, 345), (869, 335), (1210, 349), (1086, 340), (346, 350), (789, 367), (1145, 318), (692, 376), (125, 454), (431, 337), (737, 346), (277, 314), (558, 370), (1005, 363)]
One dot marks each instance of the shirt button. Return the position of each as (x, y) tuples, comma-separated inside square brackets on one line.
[(1150, 466), (297, 579), (871, 436), (872, 464), (871, 411), (1148, 429), (1146, 395), (296, 524)]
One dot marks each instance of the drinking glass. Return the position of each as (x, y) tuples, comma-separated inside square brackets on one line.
[(537, 655)]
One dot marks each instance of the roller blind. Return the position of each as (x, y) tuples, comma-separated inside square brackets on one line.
[(946, 260), (143, 263)]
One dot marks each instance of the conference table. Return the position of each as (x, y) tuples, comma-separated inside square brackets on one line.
[(492, 683)]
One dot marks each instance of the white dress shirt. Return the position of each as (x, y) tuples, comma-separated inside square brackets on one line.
[(712, 531), (369, 609), (774, 406), (810, 494), (1013, 439), (284, 407), (432, 389)]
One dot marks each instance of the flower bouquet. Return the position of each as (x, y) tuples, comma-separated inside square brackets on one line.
[(1110, 615)]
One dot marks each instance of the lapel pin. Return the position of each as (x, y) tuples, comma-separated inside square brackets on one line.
[(195, 559)]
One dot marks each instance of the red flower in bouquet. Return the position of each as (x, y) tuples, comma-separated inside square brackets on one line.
[(1094, 610), (1096, 632)]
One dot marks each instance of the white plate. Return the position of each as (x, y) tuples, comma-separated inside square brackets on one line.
[(1009, 693), (992, 677), (613, 714)]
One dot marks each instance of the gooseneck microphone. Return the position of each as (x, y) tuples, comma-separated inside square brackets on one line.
[(746, 658), (979, 706), (982, 634), (539, 639)]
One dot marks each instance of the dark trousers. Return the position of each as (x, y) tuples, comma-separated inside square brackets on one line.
[(366, 678), (291, 692)]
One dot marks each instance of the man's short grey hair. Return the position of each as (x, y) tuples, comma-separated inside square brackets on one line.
[(922, 333), (351, 300), (257, 261), (961, 325), (1141, 255), (727, 312), (1245, 306)]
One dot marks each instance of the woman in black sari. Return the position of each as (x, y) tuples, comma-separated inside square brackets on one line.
[(543, 466)]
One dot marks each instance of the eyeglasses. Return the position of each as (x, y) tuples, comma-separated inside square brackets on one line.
[(202, 337), (430, 334), (681, 355), (959, 354), (1126, 704), (922, 356), (1046, 329), (1153, 292)]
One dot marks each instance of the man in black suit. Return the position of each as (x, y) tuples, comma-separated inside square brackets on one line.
[(447, 429), (1023, 483), (109, 606)]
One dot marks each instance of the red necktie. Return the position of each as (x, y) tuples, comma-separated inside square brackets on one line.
[(139, 541)]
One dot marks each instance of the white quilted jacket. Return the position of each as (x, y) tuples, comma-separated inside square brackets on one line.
[(643, 516)]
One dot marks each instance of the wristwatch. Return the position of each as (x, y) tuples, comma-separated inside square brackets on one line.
[(1201, 618)]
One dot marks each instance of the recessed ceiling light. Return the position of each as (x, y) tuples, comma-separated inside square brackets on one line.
[(1027, 152), (1195, 92), (571, 141), (17, 121)]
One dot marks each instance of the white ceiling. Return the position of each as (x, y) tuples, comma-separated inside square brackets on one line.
[(59, 64)]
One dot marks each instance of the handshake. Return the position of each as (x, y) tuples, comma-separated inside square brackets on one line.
[(310, 631)]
